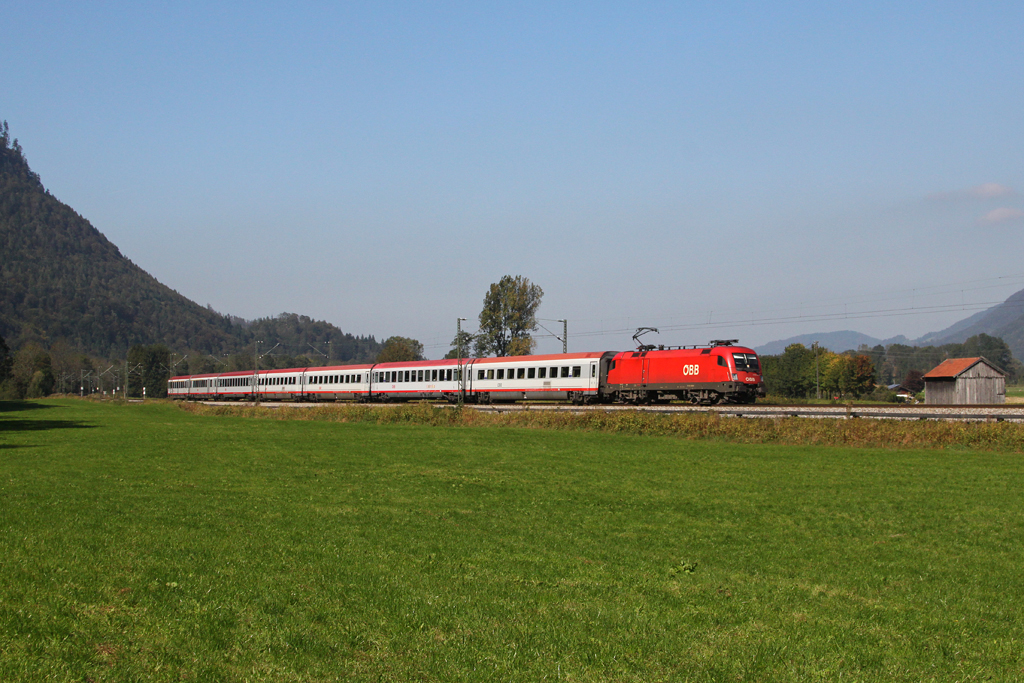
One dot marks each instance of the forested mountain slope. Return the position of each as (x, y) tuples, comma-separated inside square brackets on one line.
[(60, 278), (1005, 321)]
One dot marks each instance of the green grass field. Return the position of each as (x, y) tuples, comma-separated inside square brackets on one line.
[(147, 543)]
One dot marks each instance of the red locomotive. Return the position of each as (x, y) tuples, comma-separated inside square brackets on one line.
[(717, 373)]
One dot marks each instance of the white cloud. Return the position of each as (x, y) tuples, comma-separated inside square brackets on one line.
[(990, 190), (1003, 214), (983, 191)]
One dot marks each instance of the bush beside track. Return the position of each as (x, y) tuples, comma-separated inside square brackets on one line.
[(785, 431)]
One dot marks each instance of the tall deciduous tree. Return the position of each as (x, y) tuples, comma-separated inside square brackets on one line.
[(400, 349), (508, 317)]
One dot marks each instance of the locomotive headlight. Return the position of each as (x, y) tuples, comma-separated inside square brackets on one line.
[(735, 377)]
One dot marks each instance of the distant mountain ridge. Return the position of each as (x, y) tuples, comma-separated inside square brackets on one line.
[(834, 341), (1005, 321), (60, 278)]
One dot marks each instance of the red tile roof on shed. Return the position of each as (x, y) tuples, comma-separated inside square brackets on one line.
[(951, 367)]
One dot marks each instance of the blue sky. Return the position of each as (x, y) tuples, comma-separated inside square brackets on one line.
[(748, 170)]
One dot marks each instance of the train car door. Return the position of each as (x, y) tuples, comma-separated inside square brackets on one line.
[(645, 369)]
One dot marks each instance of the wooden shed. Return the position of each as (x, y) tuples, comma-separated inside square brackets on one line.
[(960, 381)]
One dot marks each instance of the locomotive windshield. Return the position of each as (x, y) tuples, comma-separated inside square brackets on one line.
[(746, 362)]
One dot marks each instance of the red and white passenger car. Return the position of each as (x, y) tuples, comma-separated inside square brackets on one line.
[(712, 374)]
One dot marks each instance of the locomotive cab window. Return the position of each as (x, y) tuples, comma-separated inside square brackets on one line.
[(746, 362)]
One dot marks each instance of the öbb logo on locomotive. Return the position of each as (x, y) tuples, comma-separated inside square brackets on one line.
[(719, 372)]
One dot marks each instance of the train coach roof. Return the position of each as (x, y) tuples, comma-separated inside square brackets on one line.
[(319, 369), (551, 357)]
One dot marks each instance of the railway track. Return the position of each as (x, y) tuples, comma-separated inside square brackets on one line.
[(981, 413)]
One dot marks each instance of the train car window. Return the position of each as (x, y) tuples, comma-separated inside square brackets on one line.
[(593, 370), (490, 374), (531, 373), (433, 375), (501, 373), (359, 378), (480, 374), (419, 375), (576, 370), (520, 373), (448, 375), (565, 371), (554, 373), (542, 373)]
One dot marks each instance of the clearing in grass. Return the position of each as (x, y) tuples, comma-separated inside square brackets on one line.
[(142, 541)]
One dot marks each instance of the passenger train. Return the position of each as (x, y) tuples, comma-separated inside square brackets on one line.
[(717, 373)]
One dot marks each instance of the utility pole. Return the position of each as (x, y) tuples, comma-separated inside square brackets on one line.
[(256, 374), (817, 383), (565, 332), (458, 342)]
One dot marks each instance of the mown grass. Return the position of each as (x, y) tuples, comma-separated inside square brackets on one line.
[(150, 543), (794, 431)]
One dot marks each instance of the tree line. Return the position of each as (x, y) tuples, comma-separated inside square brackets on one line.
[(800, 372)]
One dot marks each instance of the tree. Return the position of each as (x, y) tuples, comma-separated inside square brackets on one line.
[(463, 345), (65, 363), (914, 381), (32, 373), (790, 374), (150, 369), (5, 359), (400, 349), (863, 370), (508, 317)]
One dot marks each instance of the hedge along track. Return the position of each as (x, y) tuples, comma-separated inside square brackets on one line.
[(976, 413)]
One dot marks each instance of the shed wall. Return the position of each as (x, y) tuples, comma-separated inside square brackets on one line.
[(980, 384)]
